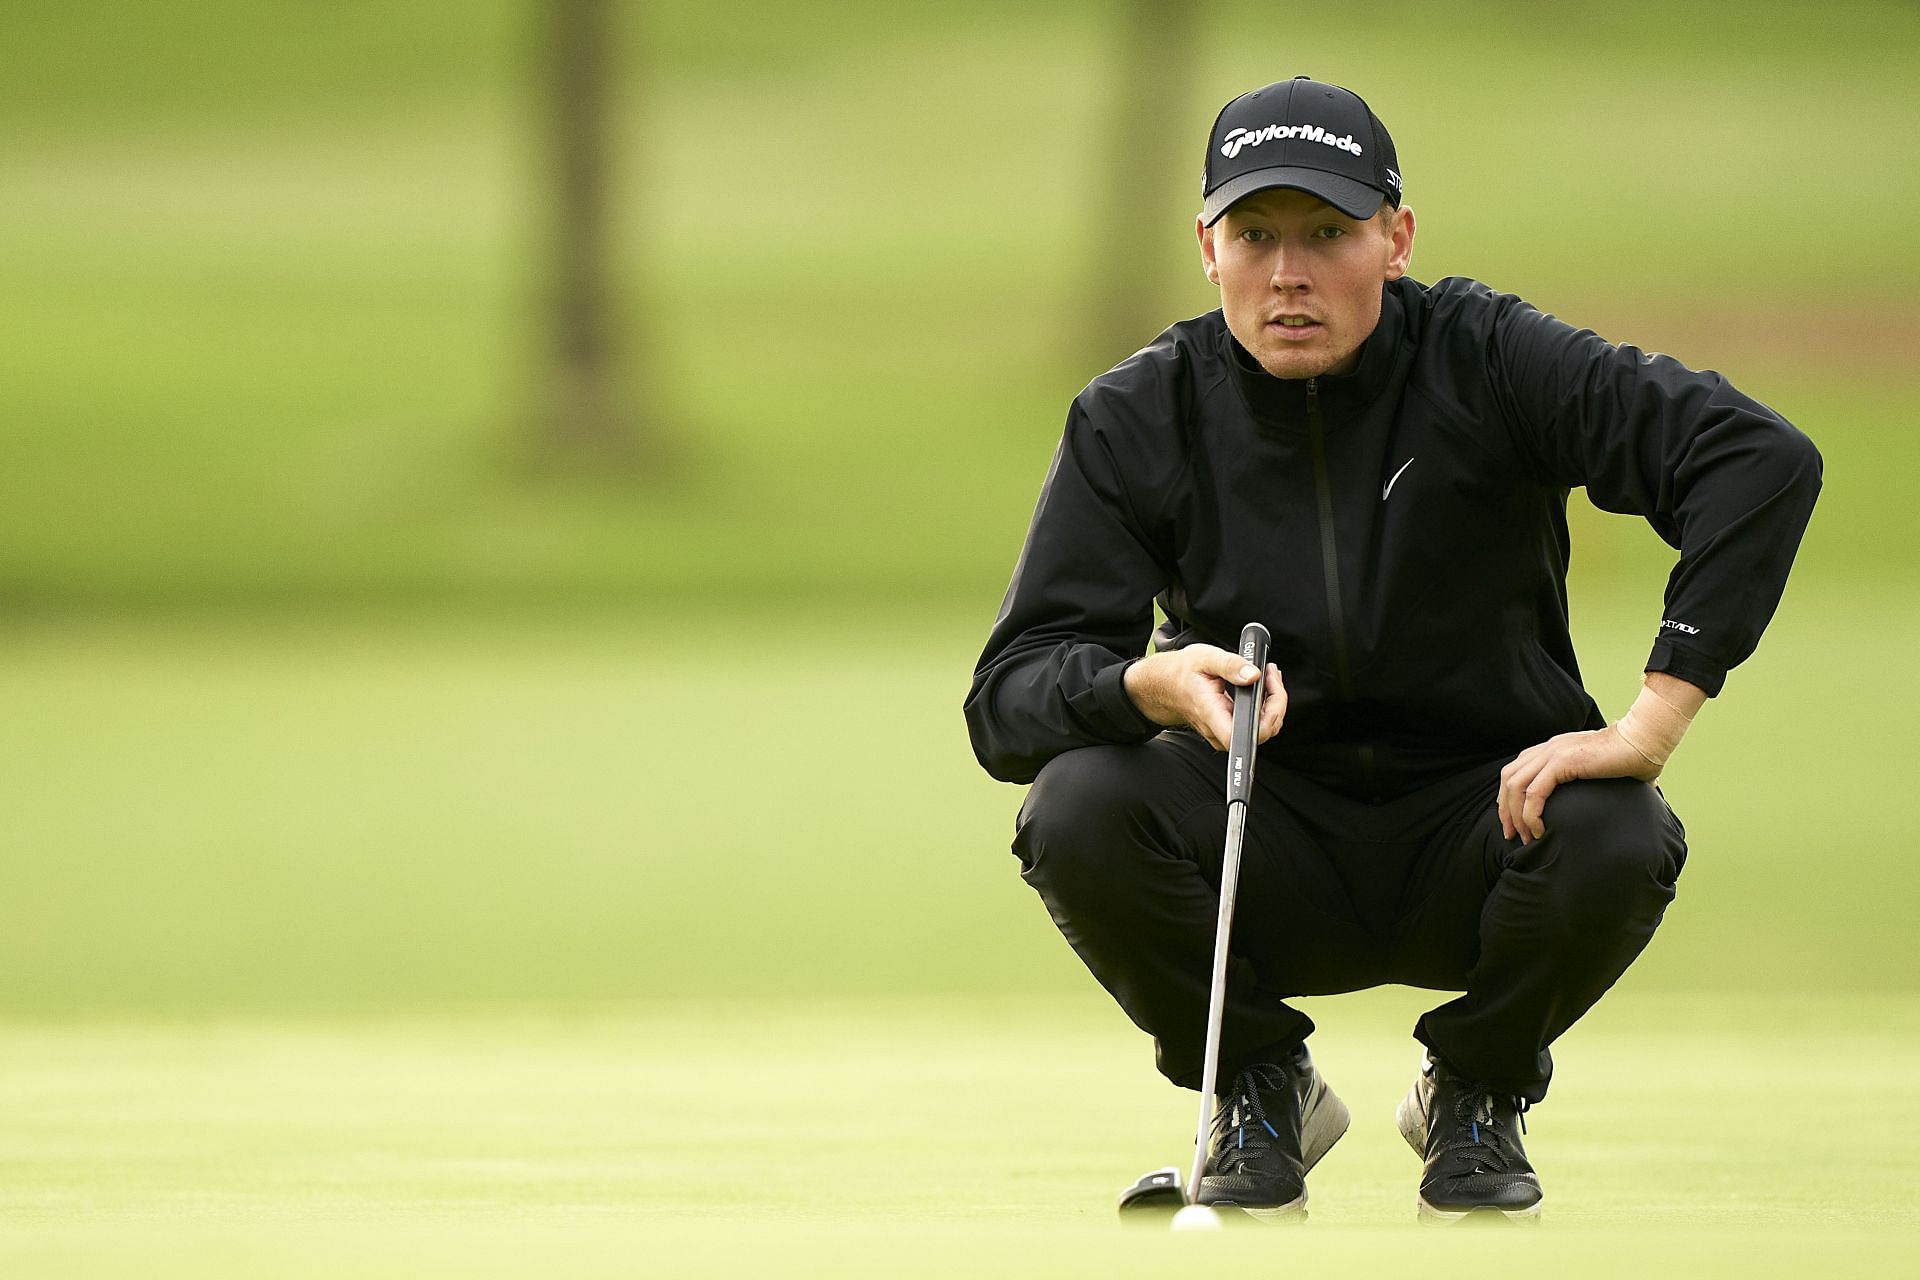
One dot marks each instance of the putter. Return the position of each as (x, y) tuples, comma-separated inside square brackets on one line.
[(1160, 1191)]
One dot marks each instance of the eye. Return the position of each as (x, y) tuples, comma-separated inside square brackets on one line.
[(1331, 232), (1254, 234)]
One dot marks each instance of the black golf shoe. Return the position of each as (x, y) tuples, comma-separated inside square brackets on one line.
[(1470, 1139), (1272, 1124)]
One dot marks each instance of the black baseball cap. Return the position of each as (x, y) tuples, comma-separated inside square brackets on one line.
[(1300, 133)]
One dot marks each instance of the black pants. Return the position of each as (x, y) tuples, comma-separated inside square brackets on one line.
[(1124, 844)]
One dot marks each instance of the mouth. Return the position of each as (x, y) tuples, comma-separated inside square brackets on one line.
[(1294, 328)]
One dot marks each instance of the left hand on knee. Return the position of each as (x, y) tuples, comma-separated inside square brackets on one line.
[(1532, 775)]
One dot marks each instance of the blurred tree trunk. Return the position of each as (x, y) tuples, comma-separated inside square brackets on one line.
[(1153, 153), (584, 414)]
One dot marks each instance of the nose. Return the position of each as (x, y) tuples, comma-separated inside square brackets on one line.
[(1290, 268)]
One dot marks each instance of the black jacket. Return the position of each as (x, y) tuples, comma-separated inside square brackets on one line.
[(1401, 531)]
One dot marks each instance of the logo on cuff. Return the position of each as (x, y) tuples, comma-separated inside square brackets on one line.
[(1679, 626)]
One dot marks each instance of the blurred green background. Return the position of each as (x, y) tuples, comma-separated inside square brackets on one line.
[(316, 692), (320, 696)]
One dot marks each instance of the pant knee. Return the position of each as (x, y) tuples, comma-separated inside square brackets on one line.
[(1614, 837), (1080, 803)]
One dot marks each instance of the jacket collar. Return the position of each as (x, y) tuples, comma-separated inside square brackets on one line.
[(1284, 400)]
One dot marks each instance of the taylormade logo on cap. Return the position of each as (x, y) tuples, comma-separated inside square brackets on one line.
[(1305, 135), (1239, 139)]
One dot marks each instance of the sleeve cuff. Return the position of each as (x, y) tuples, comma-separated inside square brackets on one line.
[(1696, 669), (1116, 708)]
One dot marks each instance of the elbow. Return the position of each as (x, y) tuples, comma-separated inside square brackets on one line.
[(1812, 465), (1788, 463), (1802, 465), (1007, 768), (991, 760), (989, 747), (1796, 449), (1004, 766)]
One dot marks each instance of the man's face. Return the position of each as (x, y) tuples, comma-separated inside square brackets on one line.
[(1282, 255)]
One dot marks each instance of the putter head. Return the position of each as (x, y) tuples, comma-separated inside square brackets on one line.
[(1154, 1199)]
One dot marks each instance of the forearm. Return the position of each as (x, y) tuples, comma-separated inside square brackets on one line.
[(1722, 478), (1079, 607), (1025, 709)]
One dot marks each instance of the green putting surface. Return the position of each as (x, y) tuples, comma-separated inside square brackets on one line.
[(1700, 1134)]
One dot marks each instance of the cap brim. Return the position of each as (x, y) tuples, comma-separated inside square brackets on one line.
[(1355, 199)]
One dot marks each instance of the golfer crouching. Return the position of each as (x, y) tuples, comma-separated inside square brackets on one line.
[(1377, 470)]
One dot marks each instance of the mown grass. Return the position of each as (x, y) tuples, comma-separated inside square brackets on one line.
[(934, 1136)]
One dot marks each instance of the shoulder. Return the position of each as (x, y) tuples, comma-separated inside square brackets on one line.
[(1132, 424), (1474, 335), (1457, 308), (1155, 384)]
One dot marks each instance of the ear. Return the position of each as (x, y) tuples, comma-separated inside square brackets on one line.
[(1207, 263), (1400, 255)]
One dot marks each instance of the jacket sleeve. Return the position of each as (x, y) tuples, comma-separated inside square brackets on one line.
[(1078, 610), (1722, 478)]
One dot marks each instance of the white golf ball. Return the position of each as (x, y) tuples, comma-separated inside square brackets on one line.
[(1197, 1217)]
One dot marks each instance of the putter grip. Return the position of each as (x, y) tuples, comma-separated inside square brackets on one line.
[(1246, 714)]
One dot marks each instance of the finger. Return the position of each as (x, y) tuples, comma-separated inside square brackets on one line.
[(1230, 667), (1222, 699), (1202, 716), (1513, 793), (1500, 800), (1533, 813), (1213, 715), (1221, 723), (1523, 826), (1273, 707), (1503, 797), (1273, 712)]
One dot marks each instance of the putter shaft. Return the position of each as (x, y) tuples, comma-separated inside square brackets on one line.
[(1217, 993), (1241, 755)]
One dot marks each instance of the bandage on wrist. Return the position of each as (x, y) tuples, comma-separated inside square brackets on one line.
[(1653, 726)]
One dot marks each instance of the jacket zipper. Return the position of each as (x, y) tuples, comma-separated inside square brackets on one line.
[(1330, 569)]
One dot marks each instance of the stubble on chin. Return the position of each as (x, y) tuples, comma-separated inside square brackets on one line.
[(1296, 365)]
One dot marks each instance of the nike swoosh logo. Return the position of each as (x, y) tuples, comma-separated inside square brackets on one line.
[(1396, 475)]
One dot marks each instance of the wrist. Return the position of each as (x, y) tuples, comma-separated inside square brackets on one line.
[(1134, 678), (1684, 697), (1659, 717), (1139, 680)]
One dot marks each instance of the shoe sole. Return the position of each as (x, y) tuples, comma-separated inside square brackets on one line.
[(1482, 1213), (1412, 1120), (1324, 1120), (1292, 1211)]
